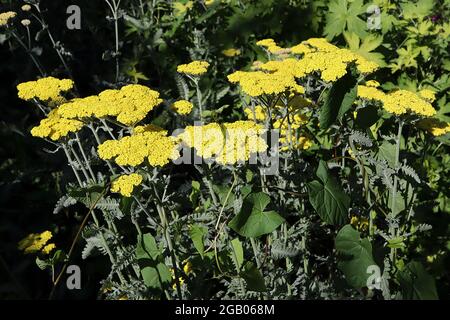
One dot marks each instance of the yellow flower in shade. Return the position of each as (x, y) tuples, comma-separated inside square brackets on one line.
[(180, 280), (128, 105), (372, 83), (231, 52), (35, 242), (26, 7), (147, 142), (48, 248), (266, 43), (434, 126), (182, 107), (258, 114), (125, 184), (45, 89), (25, 22), (428, 95), (5, 17), (227, 143), (56, 127), (360, 223), (187, 268), (195, 68)]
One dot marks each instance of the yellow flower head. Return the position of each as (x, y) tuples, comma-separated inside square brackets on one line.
[(266, 43), (35, 242), (195, 68), (372, 83), (258, 114), (129, 105), (146, 142), (187, 268), (227, 143), (48, 248), (45, 89), (5, 17), (125, 184), (428, 95), (26, 7), (434, 126), (402, 101), (231, 52), (182, 107), (56, 127)]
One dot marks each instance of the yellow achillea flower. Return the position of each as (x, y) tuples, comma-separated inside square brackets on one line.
[(45, 89), (257, 83), (55, 126), (231, 52), (258, 114), (182, 107), (128, 105), (279, 76), (372, 83), (5, 17), (48, 248), (147, 142), (35, 242), (428, 95), (195, 68), (26, 7), (398, 102), (187, 268), (318, 55), (125, 184), (227, 143), (401, 101), (360, 223), (370, 93), (434, 126)]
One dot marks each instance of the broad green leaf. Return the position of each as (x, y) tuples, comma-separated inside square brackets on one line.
[(156, 276), (154, 272), (355, 256), (416, 283), (339, 100), (328, 198), (343, 15), (197, 234), (253, 278), (252, 221), (147, 248)]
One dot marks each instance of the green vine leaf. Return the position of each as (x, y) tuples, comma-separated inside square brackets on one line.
[(252, 221), (355, 256), (327, 197)]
